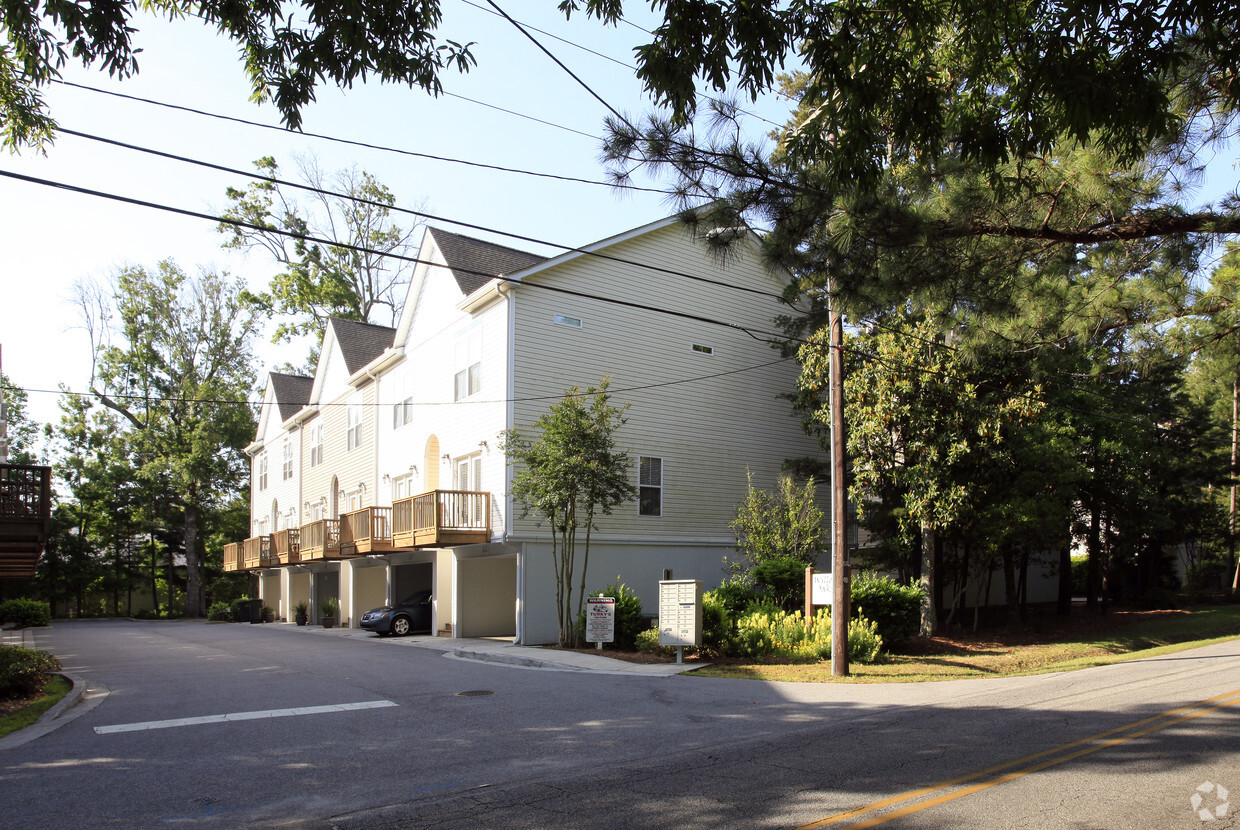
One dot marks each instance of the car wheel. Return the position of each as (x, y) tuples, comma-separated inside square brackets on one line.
[(400, 626)]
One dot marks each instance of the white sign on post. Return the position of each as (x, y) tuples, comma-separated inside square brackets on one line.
[(822, 589), (600, 619)]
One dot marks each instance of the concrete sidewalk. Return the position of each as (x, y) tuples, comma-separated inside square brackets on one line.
[(504, 651)]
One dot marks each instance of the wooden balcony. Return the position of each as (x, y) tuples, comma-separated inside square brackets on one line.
[(25, 517), (320, 539), (232, 556), (441, 517), (256, 553), (364, 531), (286, 546)]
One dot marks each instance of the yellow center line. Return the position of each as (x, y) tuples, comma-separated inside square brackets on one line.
[(973, 776)]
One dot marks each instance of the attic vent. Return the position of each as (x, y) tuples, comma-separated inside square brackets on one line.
[(475, 693)]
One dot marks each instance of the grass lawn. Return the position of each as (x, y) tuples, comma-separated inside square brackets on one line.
[(1047, 645), (18, 714)]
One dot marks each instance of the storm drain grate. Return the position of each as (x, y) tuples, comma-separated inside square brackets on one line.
[(475, 693)]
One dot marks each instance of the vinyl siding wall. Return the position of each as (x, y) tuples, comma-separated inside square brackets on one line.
[(282, 492), (707, 431)]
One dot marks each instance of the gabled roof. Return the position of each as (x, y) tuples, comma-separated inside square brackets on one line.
[(292, 392), (360, 343), (464, 255)]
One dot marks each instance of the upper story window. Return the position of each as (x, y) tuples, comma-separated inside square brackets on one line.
[(286, 467), (565, 320), (700, 349), (262, 471), (402, 412), (468, 378), (353, 424), (316, 444), (649, 486)]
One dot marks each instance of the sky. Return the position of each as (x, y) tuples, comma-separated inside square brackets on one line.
[(51, 238)]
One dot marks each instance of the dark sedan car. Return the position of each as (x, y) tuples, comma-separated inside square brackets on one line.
[(410, 616)]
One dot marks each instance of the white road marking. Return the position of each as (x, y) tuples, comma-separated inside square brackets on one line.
[(240, 716)]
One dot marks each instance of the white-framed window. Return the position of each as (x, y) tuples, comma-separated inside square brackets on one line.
[(402, 412), (316, 444), (468, 476), (286, 467), (649, 486), (353, 424), (354, 500), (565, 320), (402, 486), (262, 471), (468, 378), (700, 349)]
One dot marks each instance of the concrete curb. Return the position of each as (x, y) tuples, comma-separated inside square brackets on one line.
[(513, 660), (67, 710)]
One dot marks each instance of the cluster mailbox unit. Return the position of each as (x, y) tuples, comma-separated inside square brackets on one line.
[(680, 614)]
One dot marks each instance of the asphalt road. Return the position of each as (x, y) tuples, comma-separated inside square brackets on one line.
[(385, 739)]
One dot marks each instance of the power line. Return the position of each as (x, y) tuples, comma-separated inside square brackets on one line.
[(367, 145), (528, 399), (410, 212), (755, 333)]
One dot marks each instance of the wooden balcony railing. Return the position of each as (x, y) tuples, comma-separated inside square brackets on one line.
[(320, 539), (441, 517), (232, 556), (256, 553), (286, 546), (25, 517), (366, 531)]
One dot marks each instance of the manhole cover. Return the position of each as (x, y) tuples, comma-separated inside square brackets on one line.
[(475, 693)]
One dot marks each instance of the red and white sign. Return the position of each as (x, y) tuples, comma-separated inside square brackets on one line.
[(600, 619)]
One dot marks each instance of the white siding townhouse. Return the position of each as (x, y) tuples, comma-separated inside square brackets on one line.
[(398, 483)]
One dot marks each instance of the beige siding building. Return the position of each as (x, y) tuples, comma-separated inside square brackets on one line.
[(401, 427)]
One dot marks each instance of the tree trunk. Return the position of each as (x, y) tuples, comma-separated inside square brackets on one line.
[(1063, 604), (195, 600), (1093, 546), (929, 585), (1010, 596)]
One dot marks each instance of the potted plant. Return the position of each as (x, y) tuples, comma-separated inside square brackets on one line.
[(269, 614), (301, 613), (330, 607)]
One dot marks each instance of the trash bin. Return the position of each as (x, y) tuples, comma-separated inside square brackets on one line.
[(250, 610)]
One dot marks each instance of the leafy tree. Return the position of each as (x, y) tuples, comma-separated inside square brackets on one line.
[(287, 50), (355, 280), (22, 432), (568, 475), (179, 374), (782, 523)]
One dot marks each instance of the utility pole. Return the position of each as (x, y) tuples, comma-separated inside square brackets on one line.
[(839, 499)]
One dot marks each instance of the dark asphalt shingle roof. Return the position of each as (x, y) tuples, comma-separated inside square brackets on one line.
[(292, 393), (464, 255), (360, 343)]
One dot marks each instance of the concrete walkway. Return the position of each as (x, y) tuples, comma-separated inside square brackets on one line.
[(502, 650)]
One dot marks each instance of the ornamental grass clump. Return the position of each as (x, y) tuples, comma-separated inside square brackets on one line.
[(767, 632)]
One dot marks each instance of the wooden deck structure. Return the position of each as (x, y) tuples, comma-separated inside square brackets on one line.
[(434, 519), (25, 517)]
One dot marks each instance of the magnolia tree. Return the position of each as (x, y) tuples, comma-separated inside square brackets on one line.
[(567, 476)]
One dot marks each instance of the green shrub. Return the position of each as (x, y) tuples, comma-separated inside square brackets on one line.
[(895, 609), (782, 580), (26, 613), (736, 595), (716, 623), (648, 643), (24, 672), (629, 618), (220, 611)]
